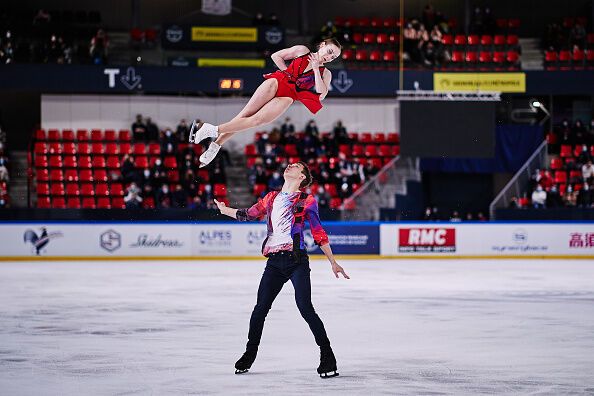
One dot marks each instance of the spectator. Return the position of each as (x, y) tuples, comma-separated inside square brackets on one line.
[(133, 198), (129, 171), (546, 180), (147, 177), (370, 169), (54, 51), (513, 203), (258, 19), (139, 129), (179, 197), (455, 218), (570, 197), (428, 16), (584, 198), (6, 53), (217, 173), (168, 143), (481, 216), (4, 177), (566, 135), (311, 129), (163, 197), (183, 132), (428, 216), (152, 130), (590, 135), (577, 36), (469, 217), (588, 171), (160, 176), (197, 203), (270, 156), (553, 200), (539, 197), (340, 133), (580, 132), (98, 48), (275, 182), (286, 128)]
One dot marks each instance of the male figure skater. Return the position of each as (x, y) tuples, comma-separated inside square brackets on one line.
[(286, 211)]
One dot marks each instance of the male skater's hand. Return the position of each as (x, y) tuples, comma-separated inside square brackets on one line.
[(337, 269), (220, 205)]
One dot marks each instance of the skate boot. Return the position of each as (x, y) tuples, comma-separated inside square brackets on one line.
[(245, 361), (210, 154), (327, 368), (201, 130)]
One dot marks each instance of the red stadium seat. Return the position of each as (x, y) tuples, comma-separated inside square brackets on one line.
[(375, 56), (578, 58), (345, 149), (42, 175), (251, 161), (457, 58), (385, 150), (291, 150), (116, 189), (113, 162), (220, 190), (87, 189), (55, 161), (43, 202), (84, 162), (40, 135), (57, 189), (58, 203), (499, 40), (71, 175), (393, 138), (151, 35), (379, 137), (97, 149), (513, 58), (358, 150), (377, 22), (361, 55), (366, 137), (124, 135), (259, 189), (86, 175), (357, 38), (70, 162), (564, 59), (485, 58), (460, 40), (377, 162), (73, 203), (331, 189), (348, 55), (67, 135), (471, 59), (363, 22), (88, 203), (498, 58), (335, 203), (513, 23), (560, 176), (395, 150), (154, 149), (382, 38), (103, 203), (550, 61), (111, 149), (118, 203), (55, 148), (69, 148), (83, 149), (101, 189), (141, 162), (98, 162), (512, 41), (139, 149), (125, 148), (100, 175), (56, 175), (447, 39), (565, 151), (473, 40), (170, 162), (556, 163), (82, 135), (486, 40), (250, 149), (41, 161), (40, 148), (369, 38), (54, 134), (110, 135), (43, 189), (390, 22), (390, 56), (97, 135), (72, 189)]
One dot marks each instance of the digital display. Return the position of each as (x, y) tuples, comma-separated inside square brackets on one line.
[(230, 84)]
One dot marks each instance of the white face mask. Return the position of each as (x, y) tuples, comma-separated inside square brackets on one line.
[(147, 173)]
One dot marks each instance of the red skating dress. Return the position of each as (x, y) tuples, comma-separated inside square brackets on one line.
[(295, 84)]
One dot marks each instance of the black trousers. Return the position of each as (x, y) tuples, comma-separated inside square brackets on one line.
[(280, 268)]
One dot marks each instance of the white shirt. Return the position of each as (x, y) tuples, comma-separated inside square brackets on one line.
[(587, 171), (539, 197), (281, 219)]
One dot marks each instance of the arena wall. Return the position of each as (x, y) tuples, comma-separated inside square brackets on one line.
[(182, 240)]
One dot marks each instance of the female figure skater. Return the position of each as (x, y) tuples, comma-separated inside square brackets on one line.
[(305, 80), (286, 211)]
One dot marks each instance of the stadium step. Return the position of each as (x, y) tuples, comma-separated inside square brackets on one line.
[(18, 179), (531, 57)]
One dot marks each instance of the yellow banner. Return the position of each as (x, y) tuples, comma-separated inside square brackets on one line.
[(225, 34), (230, 62), (491, 82)]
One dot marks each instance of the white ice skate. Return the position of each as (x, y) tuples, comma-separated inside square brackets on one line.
[(202, 130), (210, 154)]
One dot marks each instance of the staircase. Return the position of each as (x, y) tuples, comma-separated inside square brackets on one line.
[(381, 190), (531, 57), (18, 179), (238, 189)]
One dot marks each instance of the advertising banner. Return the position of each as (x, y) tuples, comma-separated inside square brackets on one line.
[(347, 239), (495, 82), (487, 239)]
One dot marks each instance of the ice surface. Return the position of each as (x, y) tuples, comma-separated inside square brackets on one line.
[(397, 327)]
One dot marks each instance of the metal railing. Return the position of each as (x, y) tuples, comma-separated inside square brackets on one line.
[(517, 185)]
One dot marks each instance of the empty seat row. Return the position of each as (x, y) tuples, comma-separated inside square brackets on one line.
[(82, 135), (566, 60), (76, 203), (98, 161)]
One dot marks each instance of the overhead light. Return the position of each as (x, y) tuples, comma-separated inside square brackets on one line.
[(536, 103)]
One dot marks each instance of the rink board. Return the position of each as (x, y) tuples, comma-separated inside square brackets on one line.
[(182, 240)]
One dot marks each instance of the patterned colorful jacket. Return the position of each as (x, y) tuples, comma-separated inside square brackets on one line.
[(305, 207)]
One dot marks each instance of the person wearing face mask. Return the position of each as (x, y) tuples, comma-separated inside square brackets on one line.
[(163, 197), (275, 182), (539, 197), (305, 80), (168, 143)]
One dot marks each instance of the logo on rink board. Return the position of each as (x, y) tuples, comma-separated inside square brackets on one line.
[(146, 241), (426, 239), (40, 241)]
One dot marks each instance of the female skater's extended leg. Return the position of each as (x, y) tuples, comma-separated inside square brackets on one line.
[(268, 113), (261, 96)]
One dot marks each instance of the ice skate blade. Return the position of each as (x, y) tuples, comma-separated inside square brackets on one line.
[(241, 371), (192, 133), (328, 375)]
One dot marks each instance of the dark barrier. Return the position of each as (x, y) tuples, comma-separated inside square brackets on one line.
[(175, 80), (545, 214)]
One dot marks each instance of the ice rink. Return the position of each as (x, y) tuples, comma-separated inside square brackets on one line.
[(460, 327)]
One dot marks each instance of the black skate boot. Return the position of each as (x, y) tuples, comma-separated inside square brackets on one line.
[(327, 368), (245, 361)]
